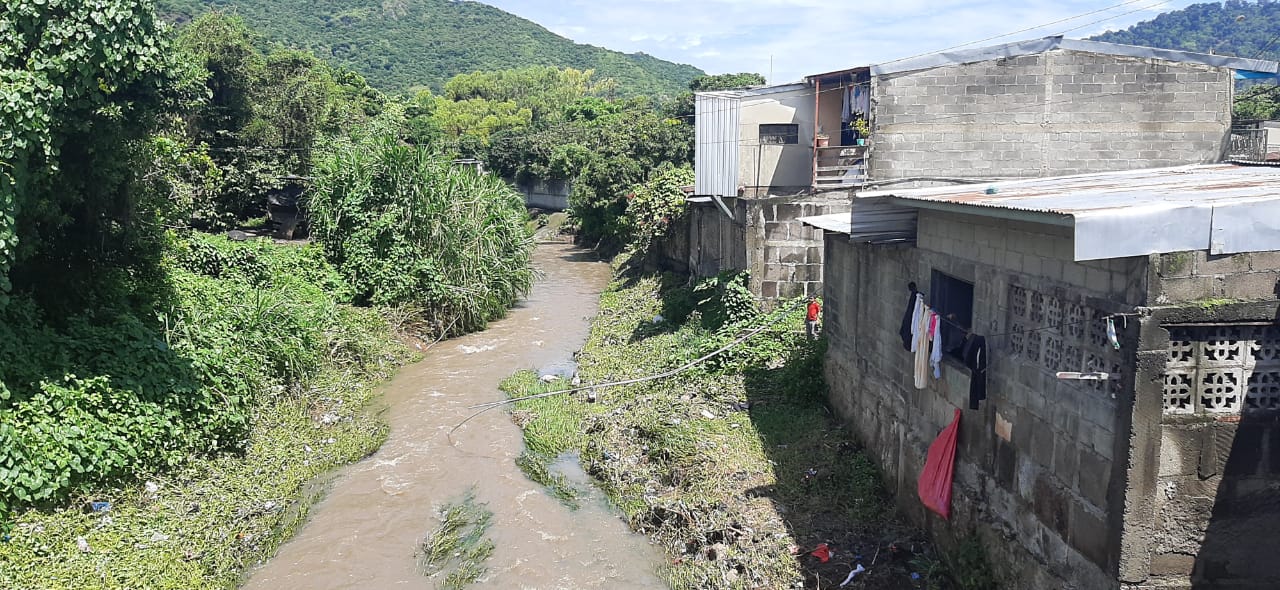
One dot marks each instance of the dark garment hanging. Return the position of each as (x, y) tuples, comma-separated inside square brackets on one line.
[(905, 331), (975, 357)]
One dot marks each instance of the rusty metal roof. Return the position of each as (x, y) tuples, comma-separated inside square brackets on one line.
[(1224, 208)]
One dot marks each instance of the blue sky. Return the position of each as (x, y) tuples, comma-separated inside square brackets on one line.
[(812, 36)]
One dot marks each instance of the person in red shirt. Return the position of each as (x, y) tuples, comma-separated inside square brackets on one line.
[(811, 319)]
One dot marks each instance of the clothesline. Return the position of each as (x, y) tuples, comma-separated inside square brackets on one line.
[(1059, 325)]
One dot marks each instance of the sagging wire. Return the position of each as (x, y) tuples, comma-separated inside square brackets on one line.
[(780, 314)]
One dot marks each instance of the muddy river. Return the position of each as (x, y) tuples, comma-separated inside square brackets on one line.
[(365, 532)]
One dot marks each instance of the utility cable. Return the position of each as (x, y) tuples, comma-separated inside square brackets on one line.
[(1059, 21), (485, 407)]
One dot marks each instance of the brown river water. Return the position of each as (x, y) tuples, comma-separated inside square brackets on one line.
[(365, 531)]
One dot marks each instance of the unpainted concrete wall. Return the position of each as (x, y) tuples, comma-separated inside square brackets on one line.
[(1039, 467), (1202, 508), (1200, 276), (1055, 113), (551, 195), (784, 256)]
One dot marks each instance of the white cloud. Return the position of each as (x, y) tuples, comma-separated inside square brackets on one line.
[(803, 37)]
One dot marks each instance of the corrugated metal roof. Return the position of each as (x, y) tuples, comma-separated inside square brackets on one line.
[(1220, 207), (1070, 195), (1034, 46), (837, 222)]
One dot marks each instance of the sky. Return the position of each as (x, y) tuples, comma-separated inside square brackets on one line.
[(795, 38)]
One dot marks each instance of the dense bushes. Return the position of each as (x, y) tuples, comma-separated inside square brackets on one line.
[(405, 226), (105, 393)]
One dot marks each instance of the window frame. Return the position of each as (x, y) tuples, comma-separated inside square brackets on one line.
[(789, 136), (949, 294)]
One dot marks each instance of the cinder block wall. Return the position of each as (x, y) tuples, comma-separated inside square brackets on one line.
[(1199, 276), (1040, 466), (1055, 113), (1205, 462), (784, 256)]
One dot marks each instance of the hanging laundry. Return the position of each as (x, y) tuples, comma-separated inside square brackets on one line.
[(975, 358), (920, 344), (905, 330), (935, 337), (1111, 333), (861, 102), (934, 486), (846, 108)]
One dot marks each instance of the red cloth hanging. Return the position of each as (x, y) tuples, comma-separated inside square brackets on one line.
[(939, 467)]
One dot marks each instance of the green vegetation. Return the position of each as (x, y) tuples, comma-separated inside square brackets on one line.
[(194, 384), (1234, 27), (407, 227), (416, 44), (265, 361), (458, 546), (736, 468), (1259, 102)]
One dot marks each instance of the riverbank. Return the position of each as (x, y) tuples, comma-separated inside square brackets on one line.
[(737, 469), (266, 323)]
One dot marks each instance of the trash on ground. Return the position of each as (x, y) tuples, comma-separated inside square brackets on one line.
[(82, 544), (822, 552), (548, 378), (852, 574), (100, 506), (708, 415)]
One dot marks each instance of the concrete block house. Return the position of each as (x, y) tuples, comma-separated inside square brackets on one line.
[(1046, 107), (1166, 473)]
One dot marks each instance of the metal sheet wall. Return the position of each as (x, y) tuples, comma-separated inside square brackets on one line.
[(716, 136)]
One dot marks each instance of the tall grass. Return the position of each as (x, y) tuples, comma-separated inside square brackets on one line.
[(406, 227)]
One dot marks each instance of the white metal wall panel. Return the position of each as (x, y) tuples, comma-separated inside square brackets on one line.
[(1140, 231), (1246, 227), (716, 136)]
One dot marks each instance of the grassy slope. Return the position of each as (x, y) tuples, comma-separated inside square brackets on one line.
[(412, 43), (728, 491)]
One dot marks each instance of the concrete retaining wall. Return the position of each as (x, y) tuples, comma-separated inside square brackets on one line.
[(784, 256)]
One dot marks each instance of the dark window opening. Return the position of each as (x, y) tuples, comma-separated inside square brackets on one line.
[(780, 133), (952, 300)]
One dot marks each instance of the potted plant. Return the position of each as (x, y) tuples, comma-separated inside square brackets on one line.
[(863, 129), (821, 139)]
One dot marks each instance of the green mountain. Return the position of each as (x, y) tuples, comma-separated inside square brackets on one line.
[(401, 44), (1235, 27)]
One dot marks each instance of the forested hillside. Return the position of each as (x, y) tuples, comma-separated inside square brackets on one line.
[(402, 44), (1235, 27)]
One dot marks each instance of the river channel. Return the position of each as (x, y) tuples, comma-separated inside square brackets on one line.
[(364, 533)]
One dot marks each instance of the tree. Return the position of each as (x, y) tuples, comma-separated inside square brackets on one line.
[(683, 106), (81, 82), (1258, 102)]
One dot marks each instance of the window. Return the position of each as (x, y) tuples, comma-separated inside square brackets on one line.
[(780, 133), (952, 299)]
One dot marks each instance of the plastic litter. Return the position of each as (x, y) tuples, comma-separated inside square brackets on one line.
[(658, 318), (152, 488), (548, 378), (100, 506), (822, 552), (83, 545), (708, 415), (915, 576), (852, 574)]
